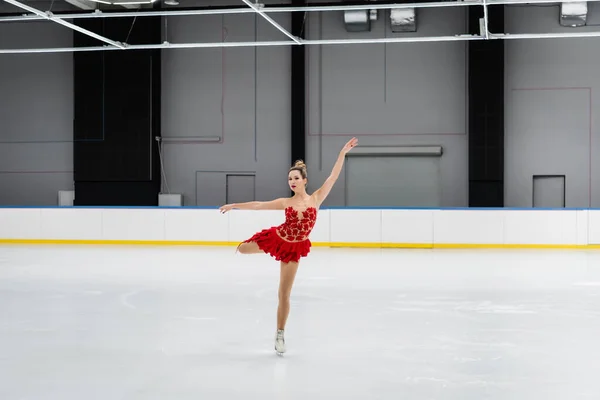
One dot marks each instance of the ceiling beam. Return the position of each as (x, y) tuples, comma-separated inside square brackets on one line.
[(51, 17), (263, 9), (271, 21)]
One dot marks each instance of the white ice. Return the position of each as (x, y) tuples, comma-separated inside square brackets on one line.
[(196, 323)]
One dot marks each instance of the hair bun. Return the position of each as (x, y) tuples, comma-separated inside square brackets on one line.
[(299, 166)]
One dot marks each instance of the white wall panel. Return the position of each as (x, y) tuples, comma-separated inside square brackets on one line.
[(64, 224), (20, 223), (362, 226), (468, 226), (407, 226), (594, 226), (196, 225), (322, 232), (133, 224), (582, 227), (540, 227)]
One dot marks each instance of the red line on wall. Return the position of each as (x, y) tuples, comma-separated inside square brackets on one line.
[(553, 88), (389, 134), (36, 172), (589, 89)]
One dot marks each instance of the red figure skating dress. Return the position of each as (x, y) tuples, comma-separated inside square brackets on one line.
[(288, 241)]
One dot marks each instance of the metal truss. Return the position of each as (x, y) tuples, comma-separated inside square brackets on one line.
[(260, 12), (58, 20), (263, 11)]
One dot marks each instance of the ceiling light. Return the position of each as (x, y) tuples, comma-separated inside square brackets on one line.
[(124, 2), (573, 14)]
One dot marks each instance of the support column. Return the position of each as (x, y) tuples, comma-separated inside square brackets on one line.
[(298, 84), (486, 111), (117, 115)]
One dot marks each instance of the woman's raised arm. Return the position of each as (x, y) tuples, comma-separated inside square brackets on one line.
[(322, 193)]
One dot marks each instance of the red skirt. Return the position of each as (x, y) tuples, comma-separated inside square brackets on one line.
[(271, 243)]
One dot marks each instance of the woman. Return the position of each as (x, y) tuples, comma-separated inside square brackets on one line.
[(289, 241)]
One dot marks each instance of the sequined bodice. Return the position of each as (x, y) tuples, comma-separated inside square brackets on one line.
[(296, 229)]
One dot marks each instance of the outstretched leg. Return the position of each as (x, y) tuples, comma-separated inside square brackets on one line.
[(249, 248)]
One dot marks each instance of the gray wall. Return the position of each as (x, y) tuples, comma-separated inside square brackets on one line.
[(36, 115), (551, 113), (390, 95), (239, 94)]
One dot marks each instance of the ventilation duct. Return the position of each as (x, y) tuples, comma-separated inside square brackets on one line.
[(573, 14), (403, 20), (357, 20)]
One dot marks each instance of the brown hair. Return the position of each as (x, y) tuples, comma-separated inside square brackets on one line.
[(301, 167)]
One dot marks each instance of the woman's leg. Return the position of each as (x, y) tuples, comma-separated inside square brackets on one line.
[(286, 281), (249, 248)]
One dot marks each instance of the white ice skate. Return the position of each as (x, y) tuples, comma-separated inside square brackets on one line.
[(279, 342)]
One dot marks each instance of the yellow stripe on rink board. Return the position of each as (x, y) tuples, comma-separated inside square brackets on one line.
[(364, 245), (459, 246), (515, 246), (367, 245)]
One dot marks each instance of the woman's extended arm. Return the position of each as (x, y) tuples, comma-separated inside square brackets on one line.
[(322, 193), (277, 204)]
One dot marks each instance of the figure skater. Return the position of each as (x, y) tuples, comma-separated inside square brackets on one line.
[(290, 241)]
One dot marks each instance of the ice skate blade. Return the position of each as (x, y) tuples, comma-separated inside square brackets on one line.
[(279, 353)]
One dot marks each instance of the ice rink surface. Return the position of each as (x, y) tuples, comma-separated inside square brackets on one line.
[(176, 323)]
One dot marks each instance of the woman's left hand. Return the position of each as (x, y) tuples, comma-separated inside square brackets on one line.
[(350, 145)]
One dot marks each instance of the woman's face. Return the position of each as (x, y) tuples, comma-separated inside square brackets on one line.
[(296, 181)]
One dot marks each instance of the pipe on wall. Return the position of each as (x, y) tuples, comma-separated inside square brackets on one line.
[(298, 87)]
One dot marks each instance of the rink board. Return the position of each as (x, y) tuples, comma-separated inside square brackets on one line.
[(374, 228)]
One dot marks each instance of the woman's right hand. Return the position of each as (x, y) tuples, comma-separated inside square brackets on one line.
[(225, 208)]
